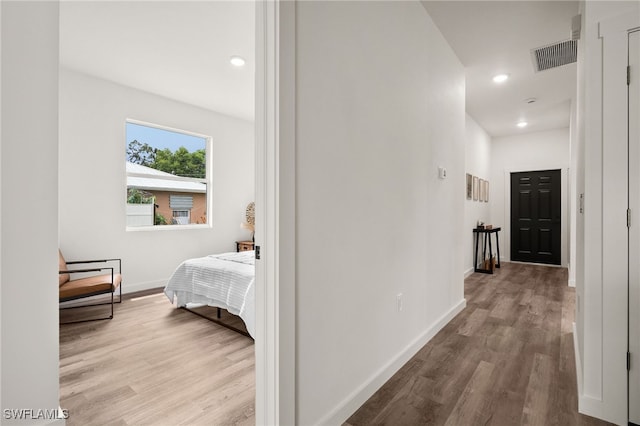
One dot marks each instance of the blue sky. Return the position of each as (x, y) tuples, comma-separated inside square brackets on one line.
[(161, 139)]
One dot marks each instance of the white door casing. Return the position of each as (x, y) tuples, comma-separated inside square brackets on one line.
[(275, 213), (605, 376), (634, 226)]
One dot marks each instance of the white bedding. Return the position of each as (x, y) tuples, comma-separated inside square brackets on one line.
[(223, 280)]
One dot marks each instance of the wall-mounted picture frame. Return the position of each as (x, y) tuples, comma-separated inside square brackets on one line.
[(481, 186), (469, 186), (475, 188), (486, 191)]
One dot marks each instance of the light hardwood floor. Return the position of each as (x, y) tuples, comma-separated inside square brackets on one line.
[(506, 359), (153, 364)]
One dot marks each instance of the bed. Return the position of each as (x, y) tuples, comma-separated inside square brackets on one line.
[(223, 281)]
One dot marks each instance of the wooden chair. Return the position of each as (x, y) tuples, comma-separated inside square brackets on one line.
[(89, 283)]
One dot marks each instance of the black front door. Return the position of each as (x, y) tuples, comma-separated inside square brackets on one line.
[(535, 217)]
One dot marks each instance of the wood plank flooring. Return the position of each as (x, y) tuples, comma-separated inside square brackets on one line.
[(506, 359), (153, 364)]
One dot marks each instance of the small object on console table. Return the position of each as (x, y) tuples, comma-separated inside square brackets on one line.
[(244, 246)]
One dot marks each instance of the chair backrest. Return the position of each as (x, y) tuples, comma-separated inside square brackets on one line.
[(62, 266)]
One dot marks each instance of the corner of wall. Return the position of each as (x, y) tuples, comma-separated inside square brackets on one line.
[(1, 187), (359, 396), (469, 271), (477, 163)]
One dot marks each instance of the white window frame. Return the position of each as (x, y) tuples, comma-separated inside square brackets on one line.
[(207, 179), (188, 215)]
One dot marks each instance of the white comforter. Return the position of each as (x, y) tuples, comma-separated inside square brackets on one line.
[(223, 280)]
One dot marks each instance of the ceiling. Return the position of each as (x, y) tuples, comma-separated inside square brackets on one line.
[(492, 37), (179, 50)]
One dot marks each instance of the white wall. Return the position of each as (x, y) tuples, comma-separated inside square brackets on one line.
[(93, 182), (29, 198), (1, 404), (477, 163), (546, 150), (379, 106), (1, 84)]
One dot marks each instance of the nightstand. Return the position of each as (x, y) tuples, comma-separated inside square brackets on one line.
[(244, 245)]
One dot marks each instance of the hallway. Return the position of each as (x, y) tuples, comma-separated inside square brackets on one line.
[(506, 359)]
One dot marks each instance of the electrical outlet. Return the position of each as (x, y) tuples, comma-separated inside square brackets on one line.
[(399, 302)]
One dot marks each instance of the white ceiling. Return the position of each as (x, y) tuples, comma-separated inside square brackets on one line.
[(491, 37), (179, 50)]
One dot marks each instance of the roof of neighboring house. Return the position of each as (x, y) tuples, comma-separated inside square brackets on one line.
[(156, 180)]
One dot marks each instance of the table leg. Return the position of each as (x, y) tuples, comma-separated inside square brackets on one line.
[(484, 247), (490, 252), (497, 250), (475, 258)]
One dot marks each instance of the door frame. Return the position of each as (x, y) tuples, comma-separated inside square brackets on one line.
[(275, 213), (633, 308), (564, 206)]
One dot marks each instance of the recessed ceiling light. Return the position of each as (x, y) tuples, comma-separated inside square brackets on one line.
[(522, 124), (237, 61), (500, 78)]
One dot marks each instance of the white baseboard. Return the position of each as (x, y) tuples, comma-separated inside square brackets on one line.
[(468, 272), (590, 406), (586, 405), (537, 264), (131, 288), (572, 276), (359, 396), (576, 352)]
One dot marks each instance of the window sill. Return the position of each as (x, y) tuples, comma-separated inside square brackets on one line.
[(163, 228)]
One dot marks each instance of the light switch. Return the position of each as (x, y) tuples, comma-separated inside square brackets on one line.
[(442, 172)]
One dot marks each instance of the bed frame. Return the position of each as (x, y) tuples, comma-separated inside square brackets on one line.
[(217, 269), (218, 320)]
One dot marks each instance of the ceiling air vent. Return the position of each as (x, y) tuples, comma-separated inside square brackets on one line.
[(555, 55)]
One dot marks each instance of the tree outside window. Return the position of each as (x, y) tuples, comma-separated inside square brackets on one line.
[(164, 164)]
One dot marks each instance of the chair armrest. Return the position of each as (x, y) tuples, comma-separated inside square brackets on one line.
[(71, 271), (91, 261), (76, 262)]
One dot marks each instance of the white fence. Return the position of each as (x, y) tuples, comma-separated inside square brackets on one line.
[(140, 214)]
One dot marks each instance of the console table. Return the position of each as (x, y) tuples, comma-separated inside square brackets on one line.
[(485, 234)]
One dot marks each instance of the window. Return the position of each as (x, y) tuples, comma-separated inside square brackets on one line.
[(181, 217), (167, 176)]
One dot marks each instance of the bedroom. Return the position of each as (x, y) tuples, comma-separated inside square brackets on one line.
[(99, 42), (183, 81)]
